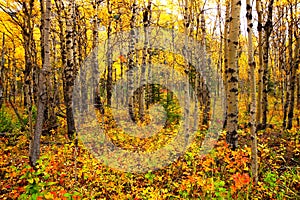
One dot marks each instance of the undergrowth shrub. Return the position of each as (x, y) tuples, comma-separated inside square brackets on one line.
[(6, 122)]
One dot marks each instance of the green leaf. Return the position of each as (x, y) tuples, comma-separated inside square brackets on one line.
[(14, 168), (76, 193), (51, 183), (38, 172), (46, 176), (37, 179), (67, 195), (149, 176), (24, 175), (221, 183), (23, 196), (34, 196), (30, 180)]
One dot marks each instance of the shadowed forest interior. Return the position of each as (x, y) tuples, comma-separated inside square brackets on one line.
[(149, 99)]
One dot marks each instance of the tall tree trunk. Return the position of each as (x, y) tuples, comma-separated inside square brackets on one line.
[(281, 62), (292, 100), (131, 62), (149, 89), (293, 62), (186, 86), (62, 41), (146, 22), (232, 81), (97, 99), (288, 78), (42, 89), (27, 33), (60, 7), (205, 65), (260, 62), (69, 69), (109, 54), (225, 74), (49, 112), (251, 64), (268, 27), (295, 65)]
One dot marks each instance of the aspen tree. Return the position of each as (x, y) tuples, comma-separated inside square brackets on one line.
[(225, 74), (131, 61), (62, 43), (69, 70), (29, 47), (268, 27), (205, 92), (260, 62), (49, 113), (281, 57), (185, 53), (42, 89), (109, 54), (288, 70), (293, 63), (95, 90), (252, 79), (146, 22), (232, 74)]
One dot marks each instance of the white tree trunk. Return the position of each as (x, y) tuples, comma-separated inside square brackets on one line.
[(252, 80), (232, 81)]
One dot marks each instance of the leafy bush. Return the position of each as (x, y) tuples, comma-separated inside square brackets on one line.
[(6, 122)]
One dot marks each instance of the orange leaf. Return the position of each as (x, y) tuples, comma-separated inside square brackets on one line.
[(122, 59)]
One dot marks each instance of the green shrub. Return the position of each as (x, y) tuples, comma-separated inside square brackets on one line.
[(6, 122)]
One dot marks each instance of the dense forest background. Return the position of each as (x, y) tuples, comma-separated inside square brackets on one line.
[(47, 46)]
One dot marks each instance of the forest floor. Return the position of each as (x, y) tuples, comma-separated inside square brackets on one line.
[(65, 171)]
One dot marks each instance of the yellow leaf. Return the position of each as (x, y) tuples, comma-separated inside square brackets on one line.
[(48, 196)]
